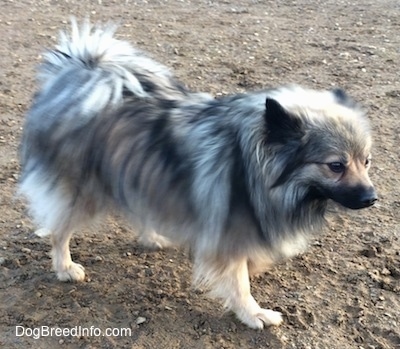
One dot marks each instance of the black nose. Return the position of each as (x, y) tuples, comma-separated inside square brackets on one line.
[(354, 197), (369, 198)]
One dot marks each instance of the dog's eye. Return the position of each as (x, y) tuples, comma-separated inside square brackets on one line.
[(336, 167), (367, 162)]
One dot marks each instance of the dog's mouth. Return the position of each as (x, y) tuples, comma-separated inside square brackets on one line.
[(360, 205)]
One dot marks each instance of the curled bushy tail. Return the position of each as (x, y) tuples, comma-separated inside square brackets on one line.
[(90, 72), (93, 61)]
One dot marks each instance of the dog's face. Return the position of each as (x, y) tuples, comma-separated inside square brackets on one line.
[(327, 149), (345, 181)]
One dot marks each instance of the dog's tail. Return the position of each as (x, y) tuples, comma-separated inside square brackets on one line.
[(93, 70)]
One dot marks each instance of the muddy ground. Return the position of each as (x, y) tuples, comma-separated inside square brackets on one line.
[(344, 292)]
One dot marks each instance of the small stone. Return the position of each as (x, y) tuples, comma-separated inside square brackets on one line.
[(128, 254), (98, 258), (140, 320), (370, 252), (42, 232), (2, 260), (26, 250)]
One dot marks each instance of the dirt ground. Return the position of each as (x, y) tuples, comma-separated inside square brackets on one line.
[(344, 292)]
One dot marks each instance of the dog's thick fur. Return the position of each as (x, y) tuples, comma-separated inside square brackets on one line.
[(242, 180)]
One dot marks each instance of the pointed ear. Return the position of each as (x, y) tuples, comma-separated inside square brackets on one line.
[(343, 98), (281, 125)]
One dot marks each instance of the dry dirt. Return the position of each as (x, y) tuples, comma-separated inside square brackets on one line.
[(343, 293)]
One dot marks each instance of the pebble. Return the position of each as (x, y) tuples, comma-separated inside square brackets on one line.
[(369, 252), (2, 260), (140, 320), (26, 250), (42, 232)]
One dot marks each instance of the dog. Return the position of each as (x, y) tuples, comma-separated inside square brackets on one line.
[(241, 180)]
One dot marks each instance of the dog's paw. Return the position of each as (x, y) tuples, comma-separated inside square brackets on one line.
[(270, 317), (75, 272), (263, 317)]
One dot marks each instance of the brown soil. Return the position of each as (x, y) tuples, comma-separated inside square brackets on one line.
[(343, 293)]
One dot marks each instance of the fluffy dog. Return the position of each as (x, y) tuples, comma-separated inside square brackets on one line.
[(241, 180)]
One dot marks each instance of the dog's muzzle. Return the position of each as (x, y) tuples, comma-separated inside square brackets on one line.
[(355, 197)]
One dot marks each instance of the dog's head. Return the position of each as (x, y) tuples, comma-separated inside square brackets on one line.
[(325, 142)]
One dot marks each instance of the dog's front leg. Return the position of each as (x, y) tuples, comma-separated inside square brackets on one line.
[(231, 284), (239, 299)]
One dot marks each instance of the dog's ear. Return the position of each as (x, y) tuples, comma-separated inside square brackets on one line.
[(343, 98), (281, 125)]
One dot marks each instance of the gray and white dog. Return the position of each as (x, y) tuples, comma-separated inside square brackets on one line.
[(241, 180)]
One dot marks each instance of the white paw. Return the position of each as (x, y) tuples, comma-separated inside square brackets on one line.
[(263, 317), (270, 317), (75, 272)]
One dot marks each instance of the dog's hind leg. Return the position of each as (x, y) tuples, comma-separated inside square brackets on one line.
[(59, 212), (75, 215), (63, 265), (230, 282)]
